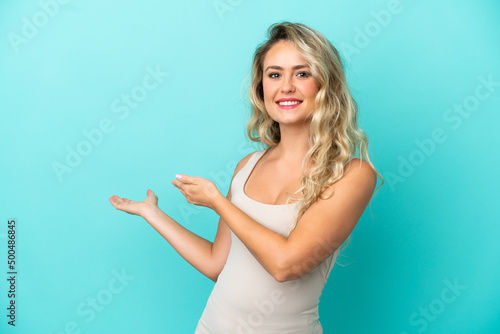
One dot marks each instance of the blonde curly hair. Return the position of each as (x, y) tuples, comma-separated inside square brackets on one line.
[(334, 134)]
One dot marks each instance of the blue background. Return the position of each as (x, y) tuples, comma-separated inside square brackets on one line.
[(410, 65)]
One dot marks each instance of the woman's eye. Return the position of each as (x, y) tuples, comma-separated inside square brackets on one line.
[(300, 74)]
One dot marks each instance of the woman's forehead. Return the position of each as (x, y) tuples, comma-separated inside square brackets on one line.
[(284, 54)]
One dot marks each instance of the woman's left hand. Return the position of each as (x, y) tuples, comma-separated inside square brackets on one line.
[(197, 190)]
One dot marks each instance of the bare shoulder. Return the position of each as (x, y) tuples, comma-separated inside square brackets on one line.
[(359, 177), (243, 162), (361, 168), (359, 173)]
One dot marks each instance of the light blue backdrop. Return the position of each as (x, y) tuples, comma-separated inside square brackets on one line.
[(109, 97)]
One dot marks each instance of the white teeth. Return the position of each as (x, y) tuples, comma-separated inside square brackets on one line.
[(288, 103)]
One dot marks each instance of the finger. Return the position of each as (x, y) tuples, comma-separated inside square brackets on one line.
[(183, 193), (181, 186), (151, 196), (185, 178), (178, 184), (120, 203), (116, 201)]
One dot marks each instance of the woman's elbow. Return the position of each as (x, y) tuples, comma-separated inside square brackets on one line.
[(280, 277), (286, 273)]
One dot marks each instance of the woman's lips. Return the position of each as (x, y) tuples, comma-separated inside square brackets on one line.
[(291, 106)]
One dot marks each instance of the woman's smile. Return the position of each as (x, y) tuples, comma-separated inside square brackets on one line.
[(288, 103)]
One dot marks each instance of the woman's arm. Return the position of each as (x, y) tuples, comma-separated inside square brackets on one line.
[(207, 257), (321, 230)]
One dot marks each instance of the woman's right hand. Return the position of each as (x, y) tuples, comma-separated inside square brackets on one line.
[(133, 207)]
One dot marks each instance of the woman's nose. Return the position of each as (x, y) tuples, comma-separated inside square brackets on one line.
[(287, 84)]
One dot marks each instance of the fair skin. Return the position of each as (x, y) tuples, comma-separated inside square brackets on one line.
[(323, 227)]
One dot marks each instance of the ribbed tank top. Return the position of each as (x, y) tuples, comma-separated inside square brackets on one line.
[(246, 299)]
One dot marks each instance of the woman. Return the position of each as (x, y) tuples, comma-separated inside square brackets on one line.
[(273, 252)]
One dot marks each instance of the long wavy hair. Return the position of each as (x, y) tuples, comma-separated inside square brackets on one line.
[(334, 135)]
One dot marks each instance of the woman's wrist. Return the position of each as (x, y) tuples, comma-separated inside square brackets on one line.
[(150, 213), (216, 202)]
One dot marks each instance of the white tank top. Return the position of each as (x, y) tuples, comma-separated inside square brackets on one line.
[(246, 299)]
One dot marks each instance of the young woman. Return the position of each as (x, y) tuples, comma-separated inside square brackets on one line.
[(290, 206)]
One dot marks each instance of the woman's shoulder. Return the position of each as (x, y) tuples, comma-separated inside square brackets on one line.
[(360, 170), (244, 161), (247, 157), (358, 177)]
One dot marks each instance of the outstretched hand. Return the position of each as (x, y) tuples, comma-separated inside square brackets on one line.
[(133, 207), (197, 190)]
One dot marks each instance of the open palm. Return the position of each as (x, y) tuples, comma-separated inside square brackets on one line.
[(133, 207)]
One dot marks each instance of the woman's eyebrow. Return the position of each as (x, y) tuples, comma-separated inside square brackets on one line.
[(296, 67)]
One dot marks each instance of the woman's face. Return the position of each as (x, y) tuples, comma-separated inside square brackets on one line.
[(287, 77)]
